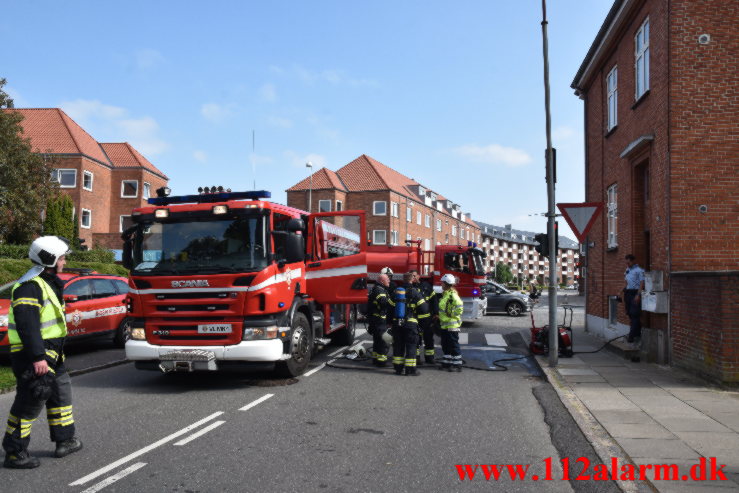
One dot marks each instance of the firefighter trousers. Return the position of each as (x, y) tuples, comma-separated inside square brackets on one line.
[(405, 346), (426, 327), (450, 348), (26, 408), (379, 346)]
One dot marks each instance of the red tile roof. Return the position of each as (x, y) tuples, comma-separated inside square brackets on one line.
[(123, 155), (52, 130), (323, 179)]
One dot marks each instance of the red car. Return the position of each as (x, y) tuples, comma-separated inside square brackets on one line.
[(95, 305)]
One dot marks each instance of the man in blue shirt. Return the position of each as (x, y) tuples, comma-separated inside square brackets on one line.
[(634, 277)]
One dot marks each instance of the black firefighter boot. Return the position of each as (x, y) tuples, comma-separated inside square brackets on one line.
[(66, 447), (398, 369), (429, 359), (20, 460), (411, 371)]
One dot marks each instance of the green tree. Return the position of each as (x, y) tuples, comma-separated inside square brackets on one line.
[(503, 274), (60, 217), (25, 187)]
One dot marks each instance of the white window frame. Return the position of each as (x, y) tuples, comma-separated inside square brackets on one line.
[(120, 222), (612, 91), (339, 206), (324, 201), (641, 60), (612, 214), (123, 187), (374, 208), (82, 219), (375, 234), (419, 217), (85, 174), (438, 225), (146, 191), (454, 230), (408, 214), (428, 220), (408, 237), (394, 207), (56, 176), (393, 237)]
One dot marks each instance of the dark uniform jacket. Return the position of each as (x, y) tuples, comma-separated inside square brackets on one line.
[(378, 305), (431, 305), (414, 302)]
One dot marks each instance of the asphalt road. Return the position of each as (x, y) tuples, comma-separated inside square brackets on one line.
[(333, 430)]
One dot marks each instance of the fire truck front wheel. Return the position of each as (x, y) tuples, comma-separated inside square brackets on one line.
[(301, 344)]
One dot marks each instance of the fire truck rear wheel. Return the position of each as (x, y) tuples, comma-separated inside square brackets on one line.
[(301, 344)]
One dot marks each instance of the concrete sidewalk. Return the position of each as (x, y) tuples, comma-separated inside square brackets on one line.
[(649, 414)]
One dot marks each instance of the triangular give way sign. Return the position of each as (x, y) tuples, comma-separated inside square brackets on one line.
[(580, 216)]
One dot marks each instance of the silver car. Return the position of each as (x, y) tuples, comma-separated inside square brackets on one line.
[(500, 299)]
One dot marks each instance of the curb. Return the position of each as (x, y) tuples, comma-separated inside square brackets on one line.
[(603, 443), (82, 371)]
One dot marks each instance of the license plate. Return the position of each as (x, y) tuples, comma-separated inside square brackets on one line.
[(214, 329)]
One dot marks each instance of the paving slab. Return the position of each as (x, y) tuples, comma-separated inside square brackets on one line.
[(576, 371), (639, 430), (703, 423), (678, 473), (621, 416), (661, 448)]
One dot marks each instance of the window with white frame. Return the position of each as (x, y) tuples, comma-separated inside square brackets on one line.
[(129, 189), (67, 178), (408, 214), (394, 209), (87, 180), (428, 221), (438, 225), (324, 206), (339, 205), (418, 217), (146, 192), (379, 237), (454, 230), (126, 223), (408, 237), (86, 219), (641, 62), (612, 208), (379, 208), (612, 87), (393, 237), (461, 232)]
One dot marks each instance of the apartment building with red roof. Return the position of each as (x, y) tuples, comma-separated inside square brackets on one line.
[(106, 181), (399, 208)]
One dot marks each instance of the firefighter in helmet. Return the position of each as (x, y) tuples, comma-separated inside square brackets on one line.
[(450, 319), (405, 302), (36, 331), (427, 314), (378, 311)]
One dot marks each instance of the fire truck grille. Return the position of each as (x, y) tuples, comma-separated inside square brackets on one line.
[(191, 296), (198, 337), (192, 308)]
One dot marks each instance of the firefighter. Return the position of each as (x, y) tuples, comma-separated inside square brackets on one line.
[(389, 273), (428, 313), (36, 331), (378, 311), (450, 319), (405, 302)]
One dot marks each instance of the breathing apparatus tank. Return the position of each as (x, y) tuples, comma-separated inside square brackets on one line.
[(399, 306)]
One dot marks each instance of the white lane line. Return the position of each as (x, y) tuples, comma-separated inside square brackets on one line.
[(314, 370), (144, 450), (495, 340), (463, 337), (483, 348), (115, 477), (254, 403), (200, 433), (336, 353)]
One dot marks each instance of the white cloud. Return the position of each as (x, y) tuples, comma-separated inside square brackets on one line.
[(108, 123), (215, 112), (268, 93), (299, 160), (147, 59), (200, 156), (494, 154), (277, 121)]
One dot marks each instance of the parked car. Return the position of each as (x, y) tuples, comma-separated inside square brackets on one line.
[(95, 306), (501, 299)]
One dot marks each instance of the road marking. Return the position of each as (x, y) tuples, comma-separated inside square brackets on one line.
[(337, 352), (317, 368), (495, 340), (115, 477), (359, 333), (200, 433), (144, 450), (483, 348), (463, 337), (254, 403)]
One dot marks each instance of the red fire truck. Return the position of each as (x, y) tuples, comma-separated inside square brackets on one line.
[(464, 262), (223, 279)]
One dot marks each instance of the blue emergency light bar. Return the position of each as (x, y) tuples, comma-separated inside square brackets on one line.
[(206, 198)]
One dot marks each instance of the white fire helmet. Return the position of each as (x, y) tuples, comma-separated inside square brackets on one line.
[(387, 271), (46, 250), (449, 279)]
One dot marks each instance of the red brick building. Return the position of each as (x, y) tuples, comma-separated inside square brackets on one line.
[(105, 181), (662, 147), (399, 209)]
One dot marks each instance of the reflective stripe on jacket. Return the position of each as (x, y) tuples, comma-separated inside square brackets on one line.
[(450, 310), (51, 312)]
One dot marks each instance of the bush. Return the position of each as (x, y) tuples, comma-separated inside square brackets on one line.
[(12, 269), (19, 252), (99, 255)]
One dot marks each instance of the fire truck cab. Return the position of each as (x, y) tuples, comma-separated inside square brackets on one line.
[(221, 280)]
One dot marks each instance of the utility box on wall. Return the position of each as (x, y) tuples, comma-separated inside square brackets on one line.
[(655, 302), (653, 281)]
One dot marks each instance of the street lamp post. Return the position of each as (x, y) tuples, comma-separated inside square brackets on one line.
[(310, 190)]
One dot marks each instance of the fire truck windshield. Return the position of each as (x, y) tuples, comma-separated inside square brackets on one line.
[(201, 247)]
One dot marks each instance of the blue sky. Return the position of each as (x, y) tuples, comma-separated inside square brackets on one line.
[(448, 93)]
